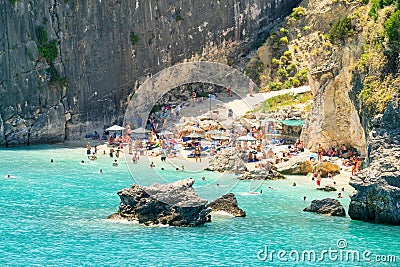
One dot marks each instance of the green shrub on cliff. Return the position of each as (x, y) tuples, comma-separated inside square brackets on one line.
[(49, 51), (341, 29), (392, 25), (376, 94), (134, 39), (298, 12), (41, 34)]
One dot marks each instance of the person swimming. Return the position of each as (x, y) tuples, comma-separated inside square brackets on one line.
[(294, 184), (304, 198), (203, 178), (115, 163), (51, 160), (101, 170)]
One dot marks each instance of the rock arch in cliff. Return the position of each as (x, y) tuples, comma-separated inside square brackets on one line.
[(147, 95)]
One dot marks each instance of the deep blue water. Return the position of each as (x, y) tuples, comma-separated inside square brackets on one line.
[(53, 214)]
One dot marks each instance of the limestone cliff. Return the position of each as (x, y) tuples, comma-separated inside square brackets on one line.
[(68, 67), (378, 188)]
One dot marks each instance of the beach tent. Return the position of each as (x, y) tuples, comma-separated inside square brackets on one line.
[(292, 127)]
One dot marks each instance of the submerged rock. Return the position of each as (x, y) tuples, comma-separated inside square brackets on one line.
[(175, 204), (261, 174), (327, 206), (327, 188), (295, 166), (227, 203)]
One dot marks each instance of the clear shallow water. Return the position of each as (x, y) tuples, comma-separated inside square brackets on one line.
[(54, 214)]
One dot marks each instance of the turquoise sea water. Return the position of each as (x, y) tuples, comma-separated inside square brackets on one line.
[(53, 214)]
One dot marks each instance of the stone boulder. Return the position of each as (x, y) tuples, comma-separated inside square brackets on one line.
[(174, 204), (227, 203), (261, 174), (295, 166), (229, 160), (327, 188), (326, 167), (327, 206)]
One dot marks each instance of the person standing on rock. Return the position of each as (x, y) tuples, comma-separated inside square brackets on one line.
[(88, 149), (197, 153), (229, 90), (194, 98), (320, 152), (251, 86)]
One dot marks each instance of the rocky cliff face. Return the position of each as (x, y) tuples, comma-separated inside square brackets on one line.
[(333, 119), (378, 187), (68, 67)]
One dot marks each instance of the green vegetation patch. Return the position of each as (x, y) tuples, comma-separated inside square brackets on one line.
[(47, 50), (280, 101), (341, 30), (376, 94), (134, 39)]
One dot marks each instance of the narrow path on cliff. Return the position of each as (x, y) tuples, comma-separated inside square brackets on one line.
[(241, 106)]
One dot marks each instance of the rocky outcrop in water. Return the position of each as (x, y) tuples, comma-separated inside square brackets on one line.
[(295, 166), (378, 186), (327, 206), (327, 188), (174, 204), (227, 203), (261, 174)]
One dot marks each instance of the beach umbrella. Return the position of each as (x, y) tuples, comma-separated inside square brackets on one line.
[(220, 137), (167, 133), (140, 130), (115, 128), (194, 135), (246, 138), (213, 132)]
